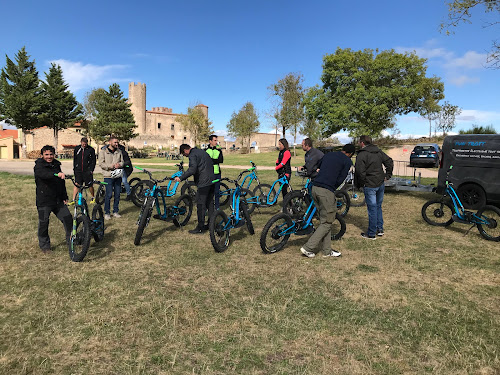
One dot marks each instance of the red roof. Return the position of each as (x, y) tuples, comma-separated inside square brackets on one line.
[(9, 133)]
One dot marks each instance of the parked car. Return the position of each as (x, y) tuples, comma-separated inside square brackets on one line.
[(476, 168), (425, 154)]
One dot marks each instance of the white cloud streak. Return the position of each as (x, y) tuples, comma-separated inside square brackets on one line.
[(86, 76)]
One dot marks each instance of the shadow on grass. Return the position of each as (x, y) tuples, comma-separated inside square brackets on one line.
[(148, 237), (103, 248)]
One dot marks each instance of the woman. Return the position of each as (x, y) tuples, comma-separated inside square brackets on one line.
[(283, 163)]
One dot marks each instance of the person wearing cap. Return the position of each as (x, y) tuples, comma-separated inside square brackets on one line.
[(215, 153), (333, 169)]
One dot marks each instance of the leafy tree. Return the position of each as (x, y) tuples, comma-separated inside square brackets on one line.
[(290, 112), (362, 92), (20, 99), (196, 123), (112, 115), (90, 104), (447, 117), (244, 123), (311, 128), (459, 11), (476, 129), (60, 107)]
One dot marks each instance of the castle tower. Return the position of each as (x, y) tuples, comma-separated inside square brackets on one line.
[(203, 108), (137, 97)]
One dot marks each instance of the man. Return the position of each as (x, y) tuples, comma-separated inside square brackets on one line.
[(215, 153), (127, 170), (333, 169), (201, 166), (370, 176), (111, 163), (51, 196), (83, 167), (311, 158)]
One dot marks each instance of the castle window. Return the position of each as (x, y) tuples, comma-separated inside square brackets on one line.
[(172, 127), (172, 136), (159, 125), (184, 138)]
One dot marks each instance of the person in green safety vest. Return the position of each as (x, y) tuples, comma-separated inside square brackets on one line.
[(215, 153)]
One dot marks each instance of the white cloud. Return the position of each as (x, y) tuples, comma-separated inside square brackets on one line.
[(470, 60), (461, 80), (86, 76), (479, 117)]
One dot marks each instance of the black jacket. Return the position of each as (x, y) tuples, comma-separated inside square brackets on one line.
[(127, 164), (312, 159), (84, 161), (333, 169), (368, 169), (201, 166), (50, 190)]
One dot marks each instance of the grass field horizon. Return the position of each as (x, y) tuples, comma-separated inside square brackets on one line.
[(420, 300)]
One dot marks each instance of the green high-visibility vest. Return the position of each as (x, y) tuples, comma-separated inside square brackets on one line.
[(214, 154)]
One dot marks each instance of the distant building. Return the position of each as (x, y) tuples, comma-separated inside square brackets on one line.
[(9, 143)]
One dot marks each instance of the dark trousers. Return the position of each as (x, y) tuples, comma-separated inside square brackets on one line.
[(217, 191), (62, 213), (114, 186), (204, 201)]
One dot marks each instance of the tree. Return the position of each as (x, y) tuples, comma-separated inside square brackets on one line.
[(476, 129), (290, 92), (60, 107), (311, 128), (447, 117), (196, 123), (20, 99), (459, 11), (112, 116), (244, 123), (430, 107), (90, 105), (362, 92)]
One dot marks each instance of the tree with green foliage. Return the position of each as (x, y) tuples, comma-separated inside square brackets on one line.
[(363, 91), (196, 123), (90, 104), (460, 11), (311, 128), (477, 129), (447, 117), (112, 116), (290, 94), (244, 123), (60, 107), (20, 98)]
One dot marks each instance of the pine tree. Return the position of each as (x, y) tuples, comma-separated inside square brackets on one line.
[(20, 99), (60, 107), (113, 116)]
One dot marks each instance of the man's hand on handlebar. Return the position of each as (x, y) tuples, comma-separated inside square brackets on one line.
[(177, 179)]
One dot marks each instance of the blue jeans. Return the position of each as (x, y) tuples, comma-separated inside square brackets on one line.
[(114, 186), (125, 183), (374, 198)]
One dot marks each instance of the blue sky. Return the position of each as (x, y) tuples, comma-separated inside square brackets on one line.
[(225, 53)]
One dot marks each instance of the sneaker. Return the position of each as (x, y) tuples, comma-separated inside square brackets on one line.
[(364, 235), (107, 217), (380, 232), (197, 231), (117, 215), (48, 250), (333, 253), (92, 201), (308, 254)]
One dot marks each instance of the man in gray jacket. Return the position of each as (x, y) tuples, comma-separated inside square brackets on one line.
[(370, 176), (111, 163), (202, 167), (312, 158)]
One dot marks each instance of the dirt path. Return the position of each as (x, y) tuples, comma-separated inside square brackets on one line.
[(401, 157)]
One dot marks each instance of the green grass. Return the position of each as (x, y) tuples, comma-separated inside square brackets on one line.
[(420, 300)]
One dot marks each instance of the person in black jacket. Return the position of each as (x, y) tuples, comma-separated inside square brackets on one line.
[(51, 196), (83, 166), (370, 175), (127, 170), (312, 158), (202, 167), (333, 169)]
